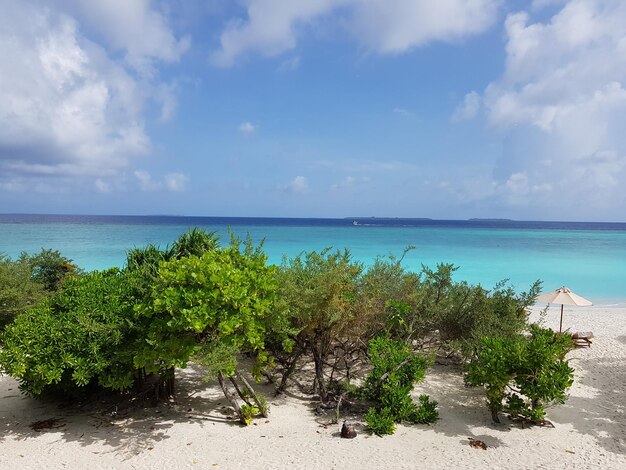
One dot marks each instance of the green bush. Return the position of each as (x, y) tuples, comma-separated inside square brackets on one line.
[(18, 290), (317, 299), (396, 369), (50, 268), (112, 328), (380, 422), (523, 375), (430, 307), (426, 411), (199, 302), (79, 336), (195, 242), (249, 412)]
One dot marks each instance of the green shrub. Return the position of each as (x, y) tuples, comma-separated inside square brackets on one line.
[(147, 257), (112, 328), (396, 369), (50, 268), (79, 336), (18, 290), (249, 412), (426, 411), (318, 297), (380, 422), (207, 305), (430, 307), (523, 375), (264, 407), (195, 242)]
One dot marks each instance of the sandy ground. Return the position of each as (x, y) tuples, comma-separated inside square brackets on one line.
[(589, 432)]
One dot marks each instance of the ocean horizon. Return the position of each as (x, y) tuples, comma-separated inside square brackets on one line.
[(588, 257)]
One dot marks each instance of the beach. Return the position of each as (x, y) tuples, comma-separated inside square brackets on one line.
[(353, 205), (198, 432)]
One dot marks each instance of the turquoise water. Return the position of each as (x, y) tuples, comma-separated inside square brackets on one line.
[(592, 262)]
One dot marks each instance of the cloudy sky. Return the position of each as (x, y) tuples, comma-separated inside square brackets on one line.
[(318, 108)]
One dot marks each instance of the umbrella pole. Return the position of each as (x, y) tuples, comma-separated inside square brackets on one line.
[(561, 324)]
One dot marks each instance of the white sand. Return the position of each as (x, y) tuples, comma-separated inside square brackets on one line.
[(590, 429)]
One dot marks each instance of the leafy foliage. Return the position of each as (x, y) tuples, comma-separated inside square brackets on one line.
[(380, 422), (222, 297), (50, 268), (146, 259), (396, 369), (249, 412), (93, 331), (195, 242), (199, 301), (216, 357), (460, 314), (318, 298), (77, 337), (523, 375), (18, 290), (426, 411), (29, 279)]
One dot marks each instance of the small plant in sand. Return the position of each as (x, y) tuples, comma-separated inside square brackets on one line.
[(396, 370), (523, 375), (249, 412)]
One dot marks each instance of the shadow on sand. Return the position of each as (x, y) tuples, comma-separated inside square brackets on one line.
[(603, 414), (108, 420), (463, 414)]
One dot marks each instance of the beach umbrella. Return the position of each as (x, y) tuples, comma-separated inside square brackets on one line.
[(563, 296)]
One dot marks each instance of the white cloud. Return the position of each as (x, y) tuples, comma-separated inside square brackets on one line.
[(68, 106), (298, 185), (62, 100), (146, 183), (517, 184), (247, 128), (135, 27), (289, 65), (173, 182), (556, 69), (403, 112), (395, 26), (561, 104), (272, 27), (166, 93), (176, 182), (540, 4), (366, 166), (102, 186), (469, 108), (350, 182)]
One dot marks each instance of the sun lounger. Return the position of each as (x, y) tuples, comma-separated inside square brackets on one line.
[(582, 339)]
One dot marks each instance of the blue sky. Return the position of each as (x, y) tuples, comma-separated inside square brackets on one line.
[(314, 108)]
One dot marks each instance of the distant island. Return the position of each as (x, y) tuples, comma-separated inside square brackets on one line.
[(490, 220), (387, 218)]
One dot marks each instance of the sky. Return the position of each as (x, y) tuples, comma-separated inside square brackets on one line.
[(452, 109)]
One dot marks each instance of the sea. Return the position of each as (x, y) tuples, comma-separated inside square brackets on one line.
[(588, 257)]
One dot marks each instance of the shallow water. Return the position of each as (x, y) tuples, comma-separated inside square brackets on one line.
[(588, 258)]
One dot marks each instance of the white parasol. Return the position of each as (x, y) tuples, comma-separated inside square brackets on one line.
[(563, 296)]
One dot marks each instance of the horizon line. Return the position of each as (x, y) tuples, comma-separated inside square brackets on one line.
[(425, 219)]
